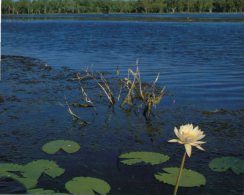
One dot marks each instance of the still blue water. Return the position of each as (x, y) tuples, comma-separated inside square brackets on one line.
[(201, 63)]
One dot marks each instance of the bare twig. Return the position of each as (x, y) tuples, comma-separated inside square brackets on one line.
[(75, 117)]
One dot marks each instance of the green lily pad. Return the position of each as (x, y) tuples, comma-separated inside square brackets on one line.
[(44, 191), (87, 186), (29, 174), (40, 191), (152, 158), (10, 166), (66, 145), (189, 178), (36, 168), (26, 182), (225, 163)]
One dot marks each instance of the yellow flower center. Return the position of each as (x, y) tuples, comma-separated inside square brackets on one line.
[(188, 136)]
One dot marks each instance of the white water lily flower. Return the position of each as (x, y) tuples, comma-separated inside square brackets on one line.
[(189, 136)]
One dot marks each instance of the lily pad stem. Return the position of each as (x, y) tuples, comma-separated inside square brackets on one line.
[(180, 173)]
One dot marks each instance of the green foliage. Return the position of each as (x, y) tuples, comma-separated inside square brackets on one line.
[(44, 191), (10, 166), (189, 178), (29, 174), (87, 186), (152, 158), (224, 163), (66, 145), (119, 6), (28, 183), (36, 168), (40, 191)]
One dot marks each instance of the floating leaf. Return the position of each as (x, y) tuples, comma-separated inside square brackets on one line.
[(29, 174), (224, 163), (66, 145), (44, 191), (36, 168), (87, 186), (40, 191), (10, 166), (26, 182), (152, 158), (189, 178)]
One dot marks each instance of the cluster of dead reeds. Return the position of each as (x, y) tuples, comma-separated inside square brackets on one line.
[(131, 92)]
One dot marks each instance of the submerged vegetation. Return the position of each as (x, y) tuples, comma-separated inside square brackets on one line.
[(119, 6)]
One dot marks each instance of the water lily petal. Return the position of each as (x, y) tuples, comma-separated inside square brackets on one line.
[(176, 132), (196, 128), (173, 140), (200, 148), (199, 142), (188, 149), (200, 136)]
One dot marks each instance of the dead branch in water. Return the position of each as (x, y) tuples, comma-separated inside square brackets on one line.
[(103, 84), (137, 91), (131, 88), (85, 98), (75, 116)]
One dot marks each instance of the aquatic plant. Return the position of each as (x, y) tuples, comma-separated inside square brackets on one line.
[(189, 178), (152, 158), (75, 116), (87, 186), (85, 97), (139, 91), (223, 164), (188, 136), (29, 174), (132, 88), (54, 146), (41, 191), (103, 84)]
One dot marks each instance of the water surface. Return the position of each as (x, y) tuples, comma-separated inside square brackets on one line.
[(201, 63)]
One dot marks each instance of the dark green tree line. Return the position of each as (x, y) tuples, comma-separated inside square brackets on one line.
[(119, 6)]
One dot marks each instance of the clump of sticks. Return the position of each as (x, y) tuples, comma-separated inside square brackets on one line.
[(132, 91), (148, 94)]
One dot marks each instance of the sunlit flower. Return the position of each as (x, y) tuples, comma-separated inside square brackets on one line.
[(189, 136)]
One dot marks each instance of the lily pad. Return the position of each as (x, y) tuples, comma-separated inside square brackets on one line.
[(10, 166), (152, 158), (36, 168), (189, 178), (66, 145), (225, 163), (87, 186), (44, 191), (40, 191), (29, 174), (26, 182)]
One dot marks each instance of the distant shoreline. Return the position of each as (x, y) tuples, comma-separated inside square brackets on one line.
[(150, 17)]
